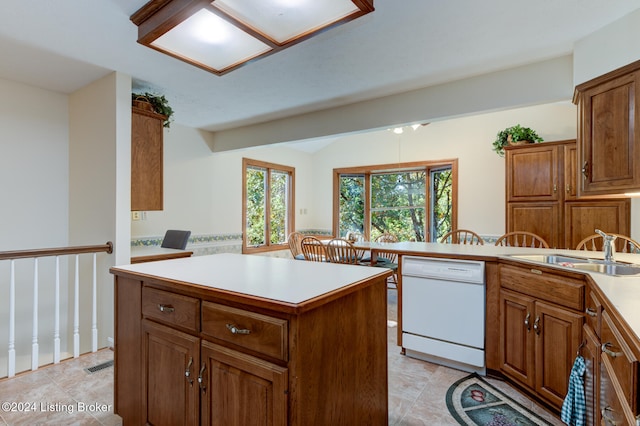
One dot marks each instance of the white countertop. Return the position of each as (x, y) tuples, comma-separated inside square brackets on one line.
[(284, 280), (622, 291)]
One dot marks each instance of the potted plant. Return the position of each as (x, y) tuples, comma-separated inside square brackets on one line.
[(514, 135), (155, 103)]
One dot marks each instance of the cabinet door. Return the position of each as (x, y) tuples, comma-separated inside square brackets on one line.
[(532, 173), (516, 336), (558, 332), (146, 160), (170, 392), (540, 218), (609, 133), (241, 390), (582, 218)]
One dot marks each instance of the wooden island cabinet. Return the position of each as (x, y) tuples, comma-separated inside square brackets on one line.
[(233, 339)]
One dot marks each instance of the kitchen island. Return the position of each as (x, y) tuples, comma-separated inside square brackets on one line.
[(245, 339)]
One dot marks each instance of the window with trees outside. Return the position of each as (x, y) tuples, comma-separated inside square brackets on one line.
[(268, 207), (413, 201)]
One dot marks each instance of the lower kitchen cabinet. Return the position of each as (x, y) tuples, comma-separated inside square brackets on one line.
[(239, 389), (590, 351), (541, 327), (172, 396)]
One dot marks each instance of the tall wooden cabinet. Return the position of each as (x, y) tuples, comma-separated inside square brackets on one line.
[(541, 197), (146, 160), (609, 132)]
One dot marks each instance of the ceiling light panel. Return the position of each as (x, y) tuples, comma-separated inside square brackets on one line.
[(211, 41), (285, 20)]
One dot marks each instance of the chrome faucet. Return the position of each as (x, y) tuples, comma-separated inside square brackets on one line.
[(608, 245)]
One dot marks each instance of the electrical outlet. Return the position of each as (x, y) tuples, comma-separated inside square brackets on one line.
[(135, 215)]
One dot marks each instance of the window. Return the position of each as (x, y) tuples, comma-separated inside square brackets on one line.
[(267, 213), (414, 201)]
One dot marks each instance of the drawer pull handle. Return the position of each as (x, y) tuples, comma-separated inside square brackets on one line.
[(187, 372), (166, 308), (536, 325), (526, 321), (591, 312), (536, 271), (607, 419), (235, 330), (203, 386), (606, 350)]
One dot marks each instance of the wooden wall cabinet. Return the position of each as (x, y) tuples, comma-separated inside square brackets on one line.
[(146, 160), (540, 329), (542, 197), (609, 132)]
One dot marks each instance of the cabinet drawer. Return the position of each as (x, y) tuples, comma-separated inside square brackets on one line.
[(170, 308), (256, 332), (561, 290), (616, 352)]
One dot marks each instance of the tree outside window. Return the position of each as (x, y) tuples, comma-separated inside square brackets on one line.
[(415, 203), (268, 205)]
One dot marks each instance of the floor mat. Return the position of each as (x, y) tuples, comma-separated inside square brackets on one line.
[(474, 402)]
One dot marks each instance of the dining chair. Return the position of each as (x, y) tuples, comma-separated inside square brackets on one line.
[(340, 250), (313, 249), (462, 236), (521, 239), (294, 239), (623, 244), (386, 237), (175, 239)]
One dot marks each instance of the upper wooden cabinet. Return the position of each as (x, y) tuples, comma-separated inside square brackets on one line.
[(609, 132), (542, 197), (146, 160)]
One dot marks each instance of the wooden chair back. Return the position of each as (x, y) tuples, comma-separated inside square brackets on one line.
[(339, 250), (522, 239), (386, 238), (313, 249), (623, 244), (462, 236), (294, 240)]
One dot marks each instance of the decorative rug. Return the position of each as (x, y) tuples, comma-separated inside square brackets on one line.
[(474, 402)]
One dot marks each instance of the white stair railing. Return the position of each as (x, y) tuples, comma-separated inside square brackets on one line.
[(11, 256)]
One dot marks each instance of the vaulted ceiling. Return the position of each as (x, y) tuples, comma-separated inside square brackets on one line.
[(63, 45)]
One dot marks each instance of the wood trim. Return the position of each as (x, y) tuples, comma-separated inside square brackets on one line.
[(291, 217), (59, 251)]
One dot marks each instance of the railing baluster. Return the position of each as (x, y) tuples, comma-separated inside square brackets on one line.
[(34, 338), (11, 367), (56, 320), (94, 308), (76, 310)]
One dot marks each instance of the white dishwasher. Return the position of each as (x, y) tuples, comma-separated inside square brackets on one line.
[(443, 311)]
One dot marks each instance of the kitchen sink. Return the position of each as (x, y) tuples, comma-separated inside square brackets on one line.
[(583, 263), (608, 268)]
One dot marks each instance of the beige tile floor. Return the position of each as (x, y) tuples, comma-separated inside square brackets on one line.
[(65, 394)]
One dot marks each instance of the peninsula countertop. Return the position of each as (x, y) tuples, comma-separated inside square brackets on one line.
[(623, 292)]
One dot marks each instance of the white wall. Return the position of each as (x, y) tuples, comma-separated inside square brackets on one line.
[(203, 190), (34, 199), (99, 164), (481, 172)]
